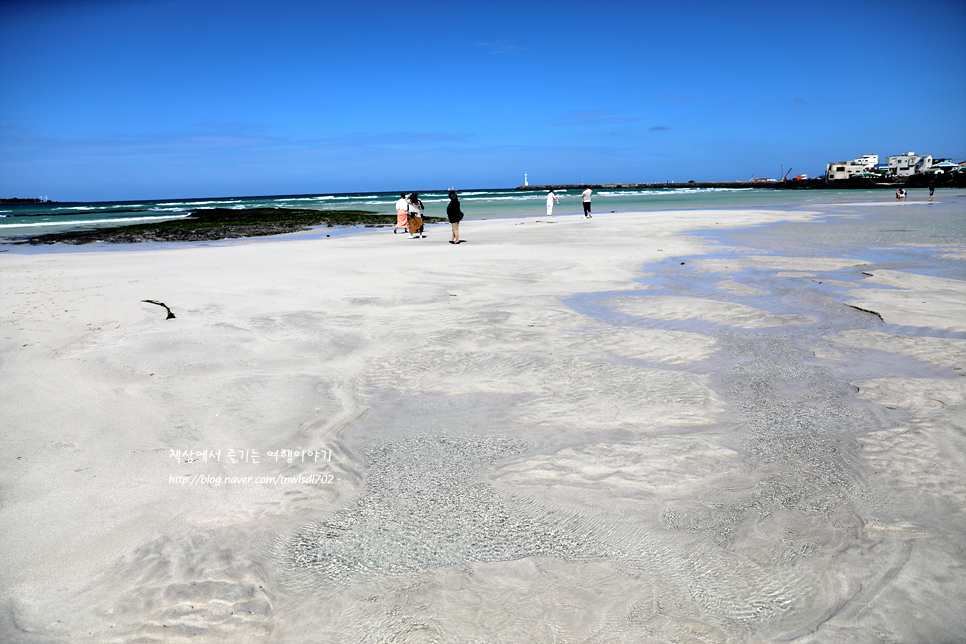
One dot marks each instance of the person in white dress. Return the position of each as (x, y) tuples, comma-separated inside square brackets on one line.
[(551, 200)]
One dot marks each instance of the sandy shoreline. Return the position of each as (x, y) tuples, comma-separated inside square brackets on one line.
[(522, 438)]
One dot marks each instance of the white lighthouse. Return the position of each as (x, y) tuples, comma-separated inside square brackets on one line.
[(525, 184)]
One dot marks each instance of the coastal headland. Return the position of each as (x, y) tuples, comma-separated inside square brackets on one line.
[(952, 180)]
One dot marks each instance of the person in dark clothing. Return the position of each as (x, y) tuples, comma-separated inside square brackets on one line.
[(454, 214)]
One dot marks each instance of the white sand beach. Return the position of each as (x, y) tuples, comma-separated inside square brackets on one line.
[(595, 430)]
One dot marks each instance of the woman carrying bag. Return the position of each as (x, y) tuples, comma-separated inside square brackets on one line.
[(415, 216)]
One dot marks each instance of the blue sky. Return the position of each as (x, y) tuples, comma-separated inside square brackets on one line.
[(112, 100)]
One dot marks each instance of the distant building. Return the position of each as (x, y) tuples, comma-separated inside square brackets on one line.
[(847, 169), (908, 164), (941, 166)]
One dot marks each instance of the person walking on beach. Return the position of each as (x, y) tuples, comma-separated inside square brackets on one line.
[(585, 199), (932, 189), (402, 214), (551, 200), (415, 210), (455, 215)]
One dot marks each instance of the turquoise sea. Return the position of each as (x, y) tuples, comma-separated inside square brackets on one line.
[(18, 220)]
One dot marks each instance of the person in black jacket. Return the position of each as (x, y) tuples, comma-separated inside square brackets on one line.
[(454, 214)]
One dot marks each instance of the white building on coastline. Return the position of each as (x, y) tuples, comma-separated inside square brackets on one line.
[(900, 165), (908, 164), (848, 169)]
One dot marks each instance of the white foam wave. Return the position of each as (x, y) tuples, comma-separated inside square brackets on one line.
[(80, 222), (511, 198), (319, 198), (665, 192), (200, 203)]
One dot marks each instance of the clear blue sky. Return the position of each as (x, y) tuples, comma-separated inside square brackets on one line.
[(110, 100)]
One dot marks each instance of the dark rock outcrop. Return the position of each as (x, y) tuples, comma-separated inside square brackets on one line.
[(221, 223)]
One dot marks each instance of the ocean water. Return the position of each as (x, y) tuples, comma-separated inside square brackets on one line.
[(18, 220)]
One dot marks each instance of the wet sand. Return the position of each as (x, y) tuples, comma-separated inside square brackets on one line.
[(607, 430)]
